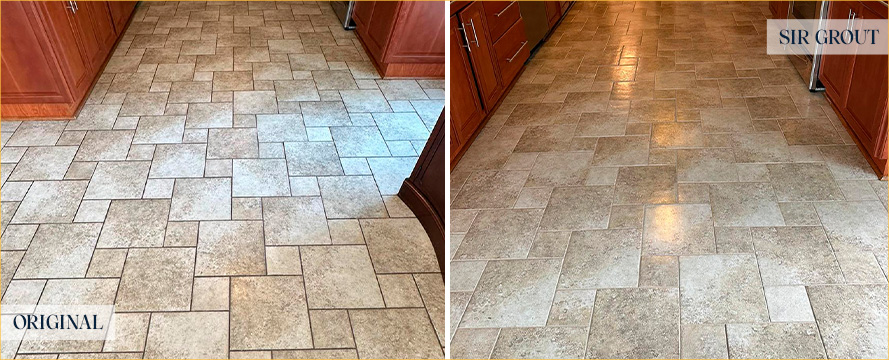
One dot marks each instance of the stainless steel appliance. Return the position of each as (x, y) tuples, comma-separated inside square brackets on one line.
[(805, 61), (343, 11)]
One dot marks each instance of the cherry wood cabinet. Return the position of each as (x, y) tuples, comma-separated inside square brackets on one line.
[(856, 86), (53, 51), (466, 108), (489, 47), (779, 9), (403, 38), (424, 191)]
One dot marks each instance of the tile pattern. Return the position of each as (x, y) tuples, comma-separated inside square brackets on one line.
[(657, 186), (221, 180)]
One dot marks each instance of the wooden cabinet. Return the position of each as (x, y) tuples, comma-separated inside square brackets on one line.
[(489, 47), (403, 38), (466, 109), (779, 9), (481, 53), (553, 12), (424, 191), (856, 86), (53, 51)]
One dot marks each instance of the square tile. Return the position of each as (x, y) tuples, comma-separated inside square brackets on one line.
[(795, 256), (59, 251), (645, 185), (400, 290), (312, 159), (176, 335), (255, 102), (499, 234), (394, 333), (351, 197), (635, 323), (49, 202), (851, 312), (294, 221), (559, 169), (43, 163), (775, 341), (513, 293), (178, 161), (230, 248), (490, 189), (118, 180), (260, 177), (359, 141), (138, 104), (135, 223), (399, 246), (340, 277), (283, 260), (325, 113), (232, 144), (602, 259), (331, 329), (156, 280), (159, 130), (679, 230), (852, 226), (577, 208), (745, 204), (621, 150), (201, 199), (719, 289)]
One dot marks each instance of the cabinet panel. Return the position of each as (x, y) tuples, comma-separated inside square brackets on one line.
[(512, 52), (779, 9), (419, 35), (30, 73), (481, 54), (834, 72), (553, 12), (120, 13), (500, 16), (66, 39), (466, 110)]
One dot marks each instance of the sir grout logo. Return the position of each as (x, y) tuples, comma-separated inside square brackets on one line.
[(827, 36)]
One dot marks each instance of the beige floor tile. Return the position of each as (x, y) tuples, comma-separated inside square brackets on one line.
[(135, 223), (230, 248), (59, 251), (295, 221), (409, 328), (513, 293), (156, 280), (635, 323), (194, 335), (253, 297), (340, 277)]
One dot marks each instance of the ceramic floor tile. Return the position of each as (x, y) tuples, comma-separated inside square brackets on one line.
[(159, 130), (390, 173), (719, 289), (602, 259), (854, 226), (48, 202), (577, 208), (260, 177), (513, 293), (679, 230), (43, 163), (851, 312), (745, 204), (230, 248), (397, 246), (795, 256), (540, 343), (252, 300), (232, 144), (645, 185), (295, 221), (635, 323), (498, 234), (59, 251), (351, 197), (559, 169), (156, 280), (118, 180), (312, 158), (359, 141), (201, 199), (340, 277), (178, 161), (394, 333), (184, 335), (135, 223)]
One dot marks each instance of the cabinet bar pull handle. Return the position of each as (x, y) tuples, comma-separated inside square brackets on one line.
[(517, 51), (462, 30), (76, 8), (504, 9), (71, 7), (474, 34)]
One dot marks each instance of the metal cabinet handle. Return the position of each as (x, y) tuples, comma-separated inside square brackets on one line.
[(517, 52), (474, 33), (71, 6), (462, 30), (504, 9), (76, 7), (852, 24)]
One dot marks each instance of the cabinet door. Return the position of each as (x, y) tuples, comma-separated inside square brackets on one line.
[(120, 13), (553, 12), (466, 110), (481, 53), (73, 61), (30, 72), (834, 73), (865, 104), (779, 9), (96, 30)]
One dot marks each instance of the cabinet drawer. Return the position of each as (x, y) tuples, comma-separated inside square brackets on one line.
[(512, 51), (500, 15)]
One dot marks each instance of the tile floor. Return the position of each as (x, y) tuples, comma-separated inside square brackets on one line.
[(656, 186), (229, 187)]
